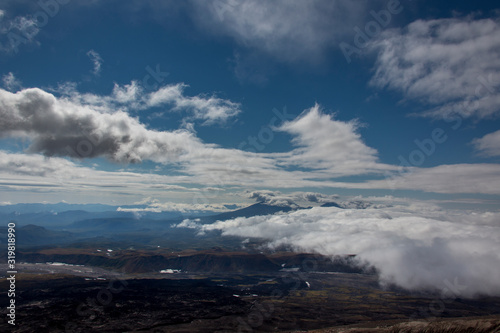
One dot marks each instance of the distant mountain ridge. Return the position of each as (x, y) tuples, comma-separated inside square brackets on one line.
[(54, 228), (252, 210)]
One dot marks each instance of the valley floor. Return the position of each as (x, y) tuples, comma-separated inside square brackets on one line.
[(50, 298)]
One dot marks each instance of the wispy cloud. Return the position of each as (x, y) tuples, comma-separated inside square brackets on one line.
[(451, 179), (209, 109), (10, 82), (488, 145), (132, 98), (287, 30), (96, 60), (17, 31), (450, 65)]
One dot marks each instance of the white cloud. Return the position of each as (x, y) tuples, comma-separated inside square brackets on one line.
[(36, 176), (294, 199), (488, 145), (132, 98), (89, 126), (329, 145), (61, 127), (412, 247), (15, 32), (181, 207), (273, 198), (450, 65), (209, 109), (66, 127), (453, 178), (96, 60)]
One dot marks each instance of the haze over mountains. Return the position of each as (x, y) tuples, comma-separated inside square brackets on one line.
[(416, 246)]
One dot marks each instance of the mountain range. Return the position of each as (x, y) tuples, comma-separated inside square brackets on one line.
[(46, 224)]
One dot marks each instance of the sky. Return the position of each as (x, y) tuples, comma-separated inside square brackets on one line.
[(205, 105)]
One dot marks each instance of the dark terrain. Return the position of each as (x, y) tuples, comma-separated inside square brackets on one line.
[(100, 271), (215, 291)]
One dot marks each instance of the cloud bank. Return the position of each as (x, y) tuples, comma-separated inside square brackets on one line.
[(414, 247)]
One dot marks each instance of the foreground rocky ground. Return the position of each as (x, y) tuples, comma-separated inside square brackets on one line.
[(281, 302), (220, 291), (484, 324)]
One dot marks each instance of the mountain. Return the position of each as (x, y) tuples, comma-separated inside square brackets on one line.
[(253, 210), (34, 235), (24, 208), (331, 204)]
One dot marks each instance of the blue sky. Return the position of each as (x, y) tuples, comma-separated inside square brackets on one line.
[(199, 104)]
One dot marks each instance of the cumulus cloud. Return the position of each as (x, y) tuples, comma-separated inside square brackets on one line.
[(450, 65), (60, 127), (414, 248), (488, 145), (96, 60)]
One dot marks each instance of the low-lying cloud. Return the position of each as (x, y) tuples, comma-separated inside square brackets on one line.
[(412, 247)]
